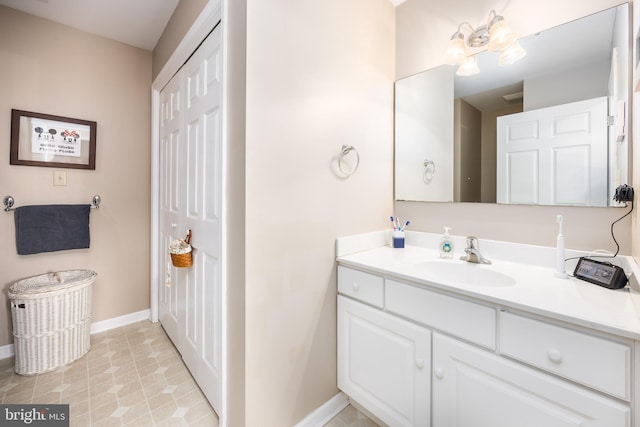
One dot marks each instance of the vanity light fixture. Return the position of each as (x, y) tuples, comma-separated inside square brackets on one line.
[(495, 35)]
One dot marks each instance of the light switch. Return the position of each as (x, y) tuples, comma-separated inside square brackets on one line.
[(59, 178)]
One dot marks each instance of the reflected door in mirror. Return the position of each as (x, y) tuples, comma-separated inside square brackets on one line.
[(555, 155)]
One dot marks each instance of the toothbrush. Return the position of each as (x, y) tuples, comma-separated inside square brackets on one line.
[(393, 222), (560, 271), (405, 225)]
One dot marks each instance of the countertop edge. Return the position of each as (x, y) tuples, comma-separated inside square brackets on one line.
[(634, 295)]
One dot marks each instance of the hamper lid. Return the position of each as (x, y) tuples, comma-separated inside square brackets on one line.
[(50, 282)]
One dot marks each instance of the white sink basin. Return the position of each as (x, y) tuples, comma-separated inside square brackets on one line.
[(464, 273)]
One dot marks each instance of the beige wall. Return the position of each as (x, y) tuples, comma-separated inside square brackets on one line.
[(423, 29), (467, 152), (181, 20), (51, 68), (319, 75)]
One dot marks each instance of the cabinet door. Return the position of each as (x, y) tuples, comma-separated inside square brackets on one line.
[(472, 387), (384, 364)]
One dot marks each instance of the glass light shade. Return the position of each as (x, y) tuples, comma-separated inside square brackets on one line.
[(469, 67), (455, 53), (511, 54), (500, 35)]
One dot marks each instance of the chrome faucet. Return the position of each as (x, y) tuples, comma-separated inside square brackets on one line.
[(472, 252)]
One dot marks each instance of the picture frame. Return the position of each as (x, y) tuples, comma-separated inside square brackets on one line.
[(46, 140)]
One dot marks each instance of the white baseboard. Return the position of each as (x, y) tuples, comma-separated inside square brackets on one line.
[(6, 351), (116, 322), (326, 412)]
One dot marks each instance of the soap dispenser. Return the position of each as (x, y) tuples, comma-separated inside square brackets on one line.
[(446, 244)]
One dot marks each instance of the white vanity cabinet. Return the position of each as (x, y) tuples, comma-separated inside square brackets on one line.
[(384, 364), (473, 387), (414, 355)]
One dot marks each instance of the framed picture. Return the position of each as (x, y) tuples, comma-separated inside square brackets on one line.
[(52, 141)]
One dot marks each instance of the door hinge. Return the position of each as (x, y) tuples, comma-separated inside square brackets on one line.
[(611, 120)]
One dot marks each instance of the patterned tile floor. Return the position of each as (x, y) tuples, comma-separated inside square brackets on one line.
[(131, 376), (351, 417)]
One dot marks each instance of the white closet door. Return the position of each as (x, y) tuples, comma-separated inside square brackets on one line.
[(203, 213), (191, 163), (171, 204)]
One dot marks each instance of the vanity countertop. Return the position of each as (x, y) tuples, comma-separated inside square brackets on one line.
[(535, 289)]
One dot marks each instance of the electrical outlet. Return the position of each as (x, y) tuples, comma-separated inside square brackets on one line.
[(59, 178), (624, 193)]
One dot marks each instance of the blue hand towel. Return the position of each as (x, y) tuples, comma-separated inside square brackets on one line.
[(48, 228)]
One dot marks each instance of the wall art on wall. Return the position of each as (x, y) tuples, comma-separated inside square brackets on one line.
[(52, 141)]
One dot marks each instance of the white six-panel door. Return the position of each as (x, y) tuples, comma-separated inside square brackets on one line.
[(554, 156), (191, 198)]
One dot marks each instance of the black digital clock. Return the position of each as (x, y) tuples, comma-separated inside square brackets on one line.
[(601, 273)]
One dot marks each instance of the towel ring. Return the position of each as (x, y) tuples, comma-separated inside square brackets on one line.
[(429, 171), (344, 151)]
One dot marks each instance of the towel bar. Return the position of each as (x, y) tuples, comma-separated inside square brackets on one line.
[(9, 202)]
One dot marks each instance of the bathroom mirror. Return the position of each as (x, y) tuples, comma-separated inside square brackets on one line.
[(550, 129)]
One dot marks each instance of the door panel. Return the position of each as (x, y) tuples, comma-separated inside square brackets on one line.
[(205, 144), (191, 191), (211, 297), (170, 132)]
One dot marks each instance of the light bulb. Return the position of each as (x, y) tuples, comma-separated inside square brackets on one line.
[(455, 53), (469, 67), (500, 35), (511, 54)]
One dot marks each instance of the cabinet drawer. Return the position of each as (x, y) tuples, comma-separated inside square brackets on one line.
[(469, 321), (362, 286), (593, 361)]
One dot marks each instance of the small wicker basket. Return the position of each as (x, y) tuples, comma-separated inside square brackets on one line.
[(180, 251)]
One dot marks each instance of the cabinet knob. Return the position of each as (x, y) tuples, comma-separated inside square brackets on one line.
[(555, 356), (420, 363), (356, 286), (439, 373)]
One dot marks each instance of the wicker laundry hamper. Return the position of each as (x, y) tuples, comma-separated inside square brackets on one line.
[(51, 319)]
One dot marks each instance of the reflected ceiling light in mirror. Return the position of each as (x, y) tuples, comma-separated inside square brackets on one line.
[(496, 35), (469, 67), (512, 53)]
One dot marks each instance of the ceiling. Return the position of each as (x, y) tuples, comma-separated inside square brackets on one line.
[(135, 22)]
